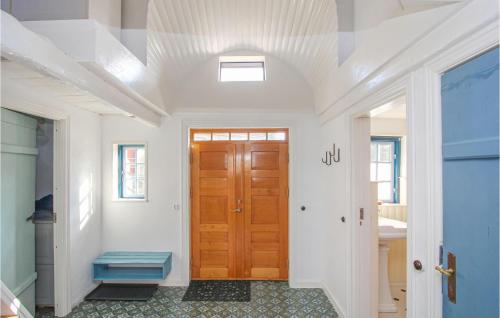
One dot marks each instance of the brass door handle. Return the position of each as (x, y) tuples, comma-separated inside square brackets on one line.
[(446, 272), (238, 206)]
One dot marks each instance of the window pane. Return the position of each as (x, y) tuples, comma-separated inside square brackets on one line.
[(239, 136), (220, 136), (385, 152), (241, 72), (141, 185), (276, 136), (258, 136), (130, 154), (133, 168), (384, 172), (373, 156), (141, 155), (129, 189), (130, 171), (141, 170), (373, 171), (385, 191), (202, 136)]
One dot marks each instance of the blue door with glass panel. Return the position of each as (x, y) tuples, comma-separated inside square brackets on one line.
[(470, 255)]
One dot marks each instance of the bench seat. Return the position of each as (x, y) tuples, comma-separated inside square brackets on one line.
[(132, 266)]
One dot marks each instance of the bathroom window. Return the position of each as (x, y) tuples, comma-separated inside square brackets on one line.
[(385, 167), (130, 167)]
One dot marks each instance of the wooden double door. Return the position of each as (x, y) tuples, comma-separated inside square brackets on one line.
[(239, 206)]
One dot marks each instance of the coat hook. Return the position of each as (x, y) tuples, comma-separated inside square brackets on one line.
[(331, 157)]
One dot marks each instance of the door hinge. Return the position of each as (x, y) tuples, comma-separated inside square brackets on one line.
[(288, 192), (54, 218), (191, 157), (191, 192)]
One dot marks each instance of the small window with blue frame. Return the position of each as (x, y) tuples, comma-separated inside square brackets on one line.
[(131, 174), (385, 159)]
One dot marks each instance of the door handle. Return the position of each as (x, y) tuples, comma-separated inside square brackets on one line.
[(31, 218), (238, 206), (446, 272), (450, 274)]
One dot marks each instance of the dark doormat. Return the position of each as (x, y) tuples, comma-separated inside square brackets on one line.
[(218, 290), (124, 292)]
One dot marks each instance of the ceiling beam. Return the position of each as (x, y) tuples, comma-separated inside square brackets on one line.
[(29, 49)]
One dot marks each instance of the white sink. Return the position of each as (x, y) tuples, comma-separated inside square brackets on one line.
[(389, 229)]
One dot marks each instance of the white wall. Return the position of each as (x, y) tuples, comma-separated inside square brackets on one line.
[(107, 13), (333, 186), (28, 10), (45, 159), (283, 90), (84, 199), (368, 14), (153, 225), (156, 225), (134, 24)]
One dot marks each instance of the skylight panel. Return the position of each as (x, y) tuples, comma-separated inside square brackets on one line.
[(242, 69)]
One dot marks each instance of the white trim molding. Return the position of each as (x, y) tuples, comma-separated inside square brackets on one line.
[(473, 26), (334, 301), (62, 280)]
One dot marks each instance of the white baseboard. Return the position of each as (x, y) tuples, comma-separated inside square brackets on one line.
[(305, 284), (80, 298), (340, 311)]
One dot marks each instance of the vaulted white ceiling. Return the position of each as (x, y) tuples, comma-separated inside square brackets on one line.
[(184, 33)]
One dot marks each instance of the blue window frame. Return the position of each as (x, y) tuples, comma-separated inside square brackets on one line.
[(131, 171), (385, 162)]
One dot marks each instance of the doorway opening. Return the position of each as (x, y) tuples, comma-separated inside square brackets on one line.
[(44, 216), (379, 196), (239, 204), (34, 187), (388, 175)]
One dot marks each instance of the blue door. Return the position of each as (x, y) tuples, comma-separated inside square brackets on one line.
[(470, 120)]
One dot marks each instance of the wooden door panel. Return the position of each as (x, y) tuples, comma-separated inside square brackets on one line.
[(266, 211), (212, 225)]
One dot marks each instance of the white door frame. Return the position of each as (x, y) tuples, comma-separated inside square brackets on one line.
[(422, 89), (62, 297)]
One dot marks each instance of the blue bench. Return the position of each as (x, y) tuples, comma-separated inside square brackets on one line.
[(132, 266)]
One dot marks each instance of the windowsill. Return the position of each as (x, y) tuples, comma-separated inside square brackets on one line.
[(130, 200)]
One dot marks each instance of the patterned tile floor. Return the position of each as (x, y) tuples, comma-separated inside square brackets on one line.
[(269, 299)]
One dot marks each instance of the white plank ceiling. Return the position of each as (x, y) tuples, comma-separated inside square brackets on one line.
[(60, 91), (184, 33)]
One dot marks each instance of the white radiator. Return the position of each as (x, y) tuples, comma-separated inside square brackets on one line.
[(393, 211)]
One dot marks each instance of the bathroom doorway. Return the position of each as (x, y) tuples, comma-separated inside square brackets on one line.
[(388, 175), (379, 188)]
